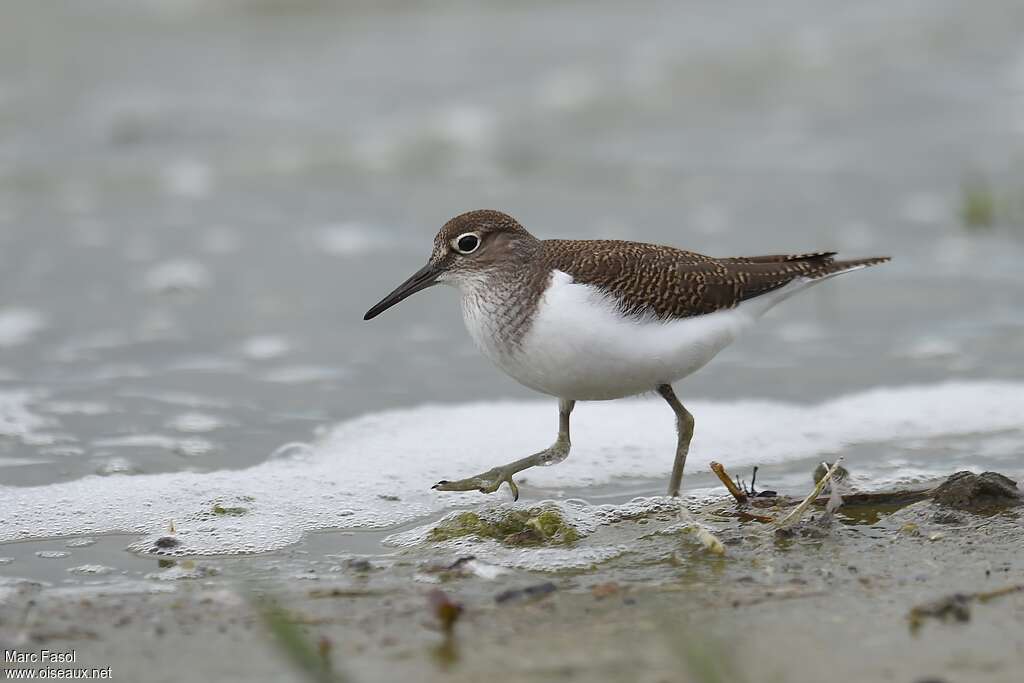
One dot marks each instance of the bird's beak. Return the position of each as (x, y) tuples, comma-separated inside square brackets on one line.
[(421, 279)]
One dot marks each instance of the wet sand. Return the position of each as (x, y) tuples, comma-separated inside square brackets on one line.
[(834, 604)]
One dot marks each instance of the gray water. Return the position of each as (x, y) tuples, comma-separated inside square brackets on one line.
[(198, 201)]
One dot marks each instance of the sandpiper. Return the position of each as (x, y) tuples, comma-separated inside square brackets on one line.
[(593, 320)]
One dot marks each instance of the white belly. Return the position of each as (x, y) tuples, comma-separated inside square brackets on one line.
[(580, 346)]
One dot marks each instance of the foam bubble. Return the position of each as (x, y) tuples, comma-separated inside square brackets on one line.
[(179, 573), (52, 554), (91, 570), (351, 476)]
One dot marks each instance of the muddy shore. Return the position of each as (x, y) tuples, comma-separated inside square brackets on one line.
[(923, 592)]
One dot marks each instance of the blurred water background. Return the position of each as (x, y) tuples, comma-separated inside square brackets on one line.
[(199, 199)]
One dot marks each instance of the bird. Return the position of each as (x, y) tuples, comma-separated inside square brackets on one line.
[(597, 320)]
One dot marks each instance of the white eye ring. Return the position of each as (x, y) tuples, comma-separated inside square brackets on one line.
[(458, 245)]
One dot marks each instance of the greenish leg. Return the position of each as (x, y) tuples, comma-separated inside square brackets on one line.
[(491, 480), (684, 427)]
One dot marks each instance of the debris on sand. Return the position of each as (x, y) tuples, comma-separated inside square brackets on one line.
[(784, 527), (445, 610), (708, 540), (604, 590), (794, 516), (822, 469), (956, 607), (528, 594), (985, 492), (463, 567)]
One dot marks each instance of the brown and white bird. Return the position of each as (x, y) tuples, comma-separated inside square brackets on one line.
[(593, 320)]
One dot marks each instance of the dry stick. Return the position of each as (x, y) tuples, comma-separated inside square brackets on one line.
[(751, 517), (985, 596), (737, 493), (797, 512), (719, 470)]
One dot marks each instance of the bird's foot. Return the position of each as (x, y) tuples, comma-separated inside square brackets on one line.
[(486, 482)]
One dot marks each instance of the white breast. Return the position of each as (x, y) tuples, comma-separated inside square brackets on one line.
[(580, 346)]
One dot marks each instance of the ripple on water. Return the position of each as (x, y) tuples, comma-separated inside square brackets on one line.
[(266, 347), (19, 325), (195, 423), (181, 275), (16, 420)]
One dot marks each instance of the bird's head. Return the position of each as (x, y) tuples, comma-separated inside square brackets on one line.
[(467, 249)]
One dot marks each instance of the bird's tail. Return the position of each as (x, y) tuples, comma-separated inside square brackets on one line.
[(831, 268)]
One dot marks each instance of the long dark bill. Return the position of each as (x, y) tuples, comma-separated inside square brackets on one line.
[(421, 279)]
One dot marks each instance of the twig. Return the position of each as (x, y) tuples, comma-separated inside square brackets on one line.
[(751, 517), (797, 512), (998, 593), (719, 470)]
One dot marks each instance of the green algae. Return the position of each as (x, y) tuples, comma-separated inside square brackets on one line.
[(530, 527)]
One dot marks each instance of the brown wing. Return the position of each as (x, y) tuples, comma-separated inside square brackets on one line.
[(673, 283)]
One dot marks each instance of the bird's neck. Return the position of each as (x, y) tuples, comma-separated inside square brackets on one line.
[(498, 305)]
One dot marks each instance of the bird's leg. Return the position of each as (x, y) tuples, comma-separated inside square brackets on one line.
[(684, 426), (491, 480)]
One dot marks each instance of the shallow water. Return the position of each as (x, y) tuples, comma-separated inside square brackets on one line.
[(199, 200)]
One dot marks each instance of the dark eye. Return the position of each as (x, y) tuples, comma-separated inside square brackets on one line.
[(468, 243)]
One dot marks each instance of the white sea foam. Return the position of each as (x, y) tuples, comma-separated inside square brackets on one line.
[(348, 478)]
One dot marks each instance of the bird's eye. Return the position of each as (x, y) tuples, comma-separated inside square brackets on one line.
[(467, 243)]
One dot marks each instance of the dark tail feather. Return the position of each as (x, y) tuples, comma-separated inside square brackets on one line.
[(783, 258), (830, 267)]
